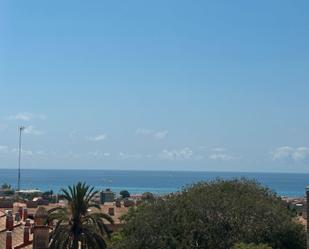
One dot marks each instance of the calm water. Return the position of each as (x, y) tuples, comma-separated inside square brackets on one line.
[(159, 182)]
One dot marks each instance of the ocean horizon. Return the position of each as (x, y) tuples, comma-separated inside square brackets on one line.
[(140, 181)]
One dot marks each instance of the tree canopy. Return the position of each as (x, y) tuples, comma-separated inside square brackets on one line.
[(213, 215), (76, 227), (124, 194), (147, 196), (6, 186)]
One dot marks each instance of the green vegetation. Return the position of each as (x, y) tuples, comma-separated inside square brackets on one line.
[(75, 224), (124, 194), (147, 196), (213, 215), (250, 246), (29, 196), (6, 186), (7, 190), (49, 195)]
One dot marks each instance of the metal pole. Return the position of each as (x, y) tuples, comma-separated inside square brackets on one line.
[(19, 156)]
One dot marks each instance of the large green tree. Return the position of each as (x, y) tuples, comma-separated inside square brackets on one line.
[(77, 225), (124, 194), (213, 215)]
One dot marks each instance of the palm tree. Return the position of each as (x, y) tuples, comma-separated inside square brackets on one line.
[(75, 226)]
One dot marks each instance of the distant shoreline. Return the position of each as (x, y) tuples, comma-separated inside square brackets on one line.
[(140, 181)]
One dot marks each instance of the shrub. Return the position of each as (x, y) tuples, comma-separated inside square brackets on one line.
[(213, 215), (124, 194)]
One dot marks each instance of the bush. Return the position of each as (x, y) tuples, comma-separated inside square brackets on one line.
[(213, 215), (124, 194), (6, 186), (147, 196), (8, 192)]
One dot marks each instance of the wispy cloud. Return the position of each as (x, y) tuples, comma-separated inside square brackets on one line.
[(24, 152), (218, 149), (125, 155), (288, 153), (159, 135), (221, 157), (172, 155), (31, 130), (97, 138), (221, 154), (98, 154), (27, 116), (4, 149)]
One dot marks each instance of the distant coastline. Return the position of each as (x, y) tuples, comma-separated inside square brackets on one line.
[(158, 182)]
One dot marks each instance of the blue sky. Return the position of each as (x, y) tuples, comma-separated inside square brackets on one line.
[(155, 85)]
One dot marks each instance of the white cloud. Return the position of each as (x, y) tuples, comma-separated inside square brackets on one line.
[(98, 154), (24, 152), (218, 149), (40, 152), (172, 155), (159, 135), (97, 138), (287, 153), (124, 155), (31, 130), (4, 149), (221, 157), (221, 154), (142, 131), (27, 116)]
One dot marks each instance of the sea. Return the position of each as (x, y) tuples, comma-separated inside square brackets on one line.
[(157, 182)]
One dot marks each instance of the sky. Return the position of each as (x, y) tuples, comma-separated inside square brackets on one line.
[(155, 85)]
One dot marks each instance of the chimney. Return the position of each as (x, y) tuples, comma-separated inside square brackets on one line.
[(8, 242), (9, 224), (27, 224), (20, 211), (17, 217), (26, 234), (25, 214), (40, 229)]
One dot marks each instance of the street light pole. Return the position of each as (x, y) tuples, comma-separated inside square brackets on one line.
[(21, 128)]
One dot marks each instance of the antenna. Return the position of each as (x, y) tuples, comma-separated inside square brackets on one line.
[(20, 128)]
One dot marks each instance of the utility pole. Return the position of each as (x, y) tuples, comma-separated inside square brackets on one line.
[(21, 128)]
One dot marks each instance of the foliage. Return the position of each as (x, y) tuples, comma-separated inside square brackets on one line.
[(147, 196), (124, 194), (210, 215), (47, 194), (29, 196), (75, 224), (8, 192), (6, 186), (250, 246), (116, 238)]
